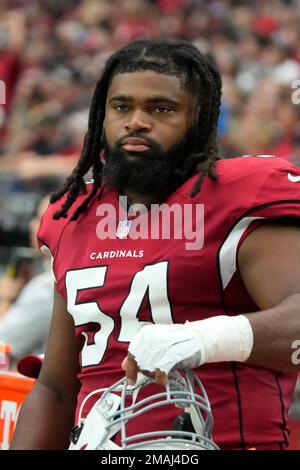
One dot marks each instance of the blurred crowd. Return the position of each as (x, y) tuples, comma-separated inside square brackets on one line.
[(52, 53)]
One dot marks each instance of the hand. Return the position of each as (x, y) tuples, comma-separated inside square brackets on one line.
[(157, 349), (129, 365)]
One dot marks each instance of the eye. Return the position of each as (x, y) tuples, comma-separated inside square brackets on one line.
[(162, 110), (121, 107)]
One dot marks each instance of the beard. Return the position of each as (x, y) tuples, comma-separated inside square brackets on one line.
[(155, 173)]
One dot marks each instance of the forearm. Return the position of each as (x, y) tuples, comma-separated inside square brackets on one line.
[(268, 338), (44, 422), (276, 336)]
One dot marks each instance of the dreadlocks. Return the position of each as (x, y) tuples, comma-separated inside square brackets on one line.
[(166, 56)]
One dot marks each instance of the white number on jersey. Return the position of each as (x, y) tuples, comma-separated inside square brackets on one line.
[(152, 280)]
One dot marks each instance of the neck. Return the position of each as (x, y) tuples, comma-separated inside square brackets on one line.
[(136, 198)]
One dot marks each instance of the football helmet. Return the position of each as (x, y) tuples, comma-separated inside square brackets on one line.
[(111, 413)]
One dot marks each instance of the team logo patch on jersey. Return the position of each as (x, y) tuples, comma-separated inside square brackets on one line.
[(123, 228)]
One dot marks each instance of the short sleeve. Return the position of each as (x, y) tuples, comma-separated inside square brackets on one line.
[(277, 201), (50, 230), (268, 191), (279, 195)]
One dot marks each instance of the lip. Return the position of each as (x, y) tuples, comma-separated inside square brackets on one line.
[(135, 147), (134, 144), (134, 141)]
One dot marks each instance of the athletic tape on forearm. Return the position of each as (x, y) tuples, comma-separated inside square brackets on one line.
[(222, 338)]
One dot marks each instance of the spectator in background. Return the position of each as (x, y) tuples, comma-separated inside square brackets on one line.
[(65, 44), (12, 37), (24, 325)]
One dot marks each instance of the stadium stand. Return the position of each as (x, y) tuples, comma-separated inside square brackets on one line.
[(51, 54)]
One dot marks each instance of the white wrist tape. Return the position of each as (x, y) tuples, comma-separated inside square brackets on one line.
[(222, 338)]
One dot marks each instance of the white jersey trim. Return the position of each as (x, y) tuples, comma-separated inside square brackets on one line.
[(227, 255), (44, 249)]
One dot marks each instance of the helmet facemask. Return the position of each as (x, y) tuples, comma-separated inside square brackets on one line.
[(111, 413)]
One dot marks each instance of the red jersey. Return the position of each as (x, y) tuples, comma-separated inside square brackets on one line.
[(112, 286)]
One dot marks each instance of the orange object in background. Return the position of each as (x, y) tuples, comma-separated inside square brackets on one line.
[(13, 389)]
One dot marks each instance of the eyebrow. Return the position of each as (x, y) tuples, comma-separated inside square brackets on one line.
[(153, 100)]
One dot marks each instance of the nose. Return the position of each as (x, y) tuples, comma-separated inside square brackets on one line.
[(138, 122)]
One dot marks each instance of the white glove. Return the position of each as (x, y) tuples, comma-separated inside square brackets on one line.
[(165, 347), (215, 339)]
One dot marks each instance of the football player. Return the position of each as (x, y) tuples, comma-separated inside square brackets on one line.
[(229, 309)]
